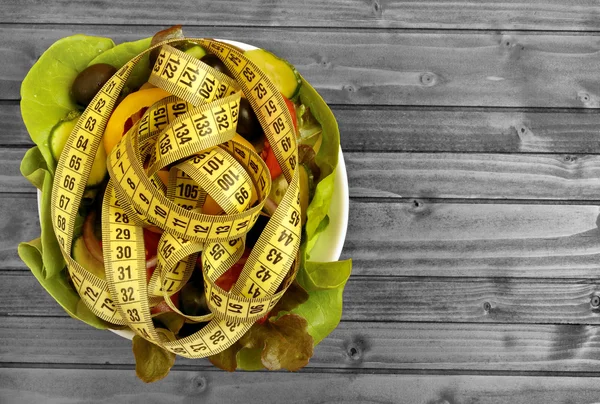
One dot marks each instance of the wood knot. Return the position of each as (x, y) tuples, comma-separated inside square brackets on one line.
[(199, 384), (595, 302), (354, 350), (377, 8), (428, 79)]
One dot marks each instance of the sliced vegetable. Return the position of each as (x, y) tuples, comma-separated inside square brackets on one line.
[(92, 243), (196, 51), (292, 108), (58, 137), (271, 161), (130, 105), (282, 74), (84, 257)]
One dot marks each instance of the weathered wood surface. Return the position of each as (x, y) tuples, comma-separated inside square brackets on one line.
[(391, 299), (386, 68), (430, 129), (470, 132), (357, 346), (423, 238), (433, 175), (576, 15), (120, 385)]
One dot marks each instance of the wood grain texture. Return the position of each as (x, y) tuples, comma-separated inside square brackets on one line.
[(386, 68), (491, 130), (487, 240), (18, 222), (356, 346), (485, 176), (578, 15), (421, 238), (398, 299), (433, 175), (429, 129), (119, 386), (11, 180)]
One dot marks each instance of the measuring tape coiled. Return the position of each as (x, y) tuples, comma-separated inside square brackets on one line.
[(191, 133)]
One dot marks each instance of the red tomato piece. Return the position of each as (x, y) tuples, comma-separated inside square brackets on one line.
[(230, 276), (292, 110)]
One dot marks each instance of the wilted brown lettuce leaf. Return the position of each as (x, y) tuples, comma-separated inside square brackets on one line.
[(152, 362), (287, 345), (227, 360)]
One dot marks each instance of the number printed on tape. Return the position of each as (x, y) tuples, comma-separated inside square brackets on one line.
[(191, 133)]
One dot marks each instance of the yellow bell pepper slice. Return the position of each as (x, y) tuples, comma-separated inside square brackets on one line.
[(129, 106)]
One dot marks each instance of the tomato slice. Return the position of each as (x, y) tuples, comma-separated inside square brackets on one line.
[(271, 161), (292, 108), (163, 307), (151, 240), (230, 276)]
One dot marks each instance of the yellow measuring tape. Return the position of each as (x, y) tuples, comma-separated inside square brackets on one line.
[(191, 132)]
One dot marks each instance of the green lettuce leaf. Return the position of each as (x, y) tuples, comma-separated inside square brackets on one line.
[(326, 159), (322, 311), (45, 91), (58, 286), (35, 169), (123, 53)]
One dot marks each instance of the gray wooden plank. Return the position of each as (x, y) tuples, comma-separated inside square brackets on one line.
[(431, 129), (423, 239), (488, 240), (473, 175), (56, 386), (11, 179), (398, 299), (18, 222), (428, 129), (385, 68), (485, 348), (433, 175), (470, 14)]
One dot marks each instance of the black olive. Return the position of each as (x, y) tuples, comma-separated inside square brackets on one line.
[(90, 81), (213, 61), (190, 328), (248, 125), (193, 300), (256, 230)]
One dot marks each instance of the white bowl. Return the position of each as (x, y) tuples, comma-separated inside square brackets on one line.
[(333, 236)]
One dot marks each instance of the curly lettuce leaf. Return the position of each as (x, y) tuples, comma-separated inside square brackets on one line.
[(277, 343), (123, 53), (45, 91)]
